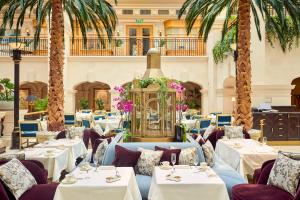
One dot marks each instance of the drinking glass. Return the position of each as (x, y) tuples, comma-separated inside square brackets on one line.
[(264, 140), (95, 160), (196, 161), (173, 160)]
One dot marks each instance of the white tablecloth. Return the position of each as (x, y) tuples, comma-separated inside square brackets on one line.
[(75, 147), (80, 116), (190, 123), (108, 124), (192, 186), (55, 163), (246, 158), (95, 187)]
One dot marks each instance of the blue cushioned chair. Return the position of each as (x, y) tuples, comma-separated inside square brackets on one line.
[(223, 120), (70, 120), (86, 111), (203, 124), (123, 125), (111, 114), (97, 117), (28, 130), (86, 123)]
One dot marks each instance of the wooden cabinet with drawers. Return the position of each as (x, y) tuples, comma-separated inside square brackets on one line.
[(281, 126)]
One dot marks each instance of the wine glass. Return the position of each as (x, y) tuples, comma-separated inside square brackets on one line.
[(95, 161), (264, 140), (173, 160), (196, 161)]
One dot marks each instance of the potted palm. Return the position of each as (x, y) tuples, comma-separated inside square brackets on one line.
[(84, 104), (100, 104), (6, 94)]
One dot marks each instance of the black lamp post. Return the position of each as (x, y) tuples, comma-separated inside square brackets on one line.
[(16, 55), (16, 48)]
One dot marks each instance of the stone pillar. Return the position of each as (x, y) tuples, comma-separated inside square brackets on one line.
[(212, 71)]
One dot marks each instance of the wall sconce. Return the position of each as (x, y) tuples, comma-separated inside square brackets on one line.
[(27, 31), (118, 33), (160, 33), (233, 99)]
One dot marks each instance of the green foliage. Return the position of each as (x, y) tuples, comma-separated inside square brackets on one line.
[(8, 94), (84, 103), (291, 36), (92, 14), (100, 104), (163, 87), (118, 42), (162, 43), (41, 104), (222, 48), (209, 10), (191, 104), (127, 135)]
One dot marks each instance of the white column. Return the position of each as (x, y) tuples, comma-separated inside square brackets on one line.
[(215, 33), (69, 100)]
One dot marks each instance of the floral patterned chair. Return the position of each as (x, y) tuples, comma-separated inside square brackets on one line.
[(42, 190), (260, 190)]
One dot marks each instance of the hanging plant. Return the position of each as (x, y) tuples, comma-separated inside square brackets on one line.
[(223, 48), (291, 36)]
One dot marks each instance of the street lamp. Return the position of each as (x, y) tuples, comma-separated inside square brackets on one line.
[(16, 48)]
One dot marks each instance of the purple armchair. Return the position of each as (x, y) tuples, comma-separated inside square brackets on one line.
[(61, 135), (40, 191), (260, 190)]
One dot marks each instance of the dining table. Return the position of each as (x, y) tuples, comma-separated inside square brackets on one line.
[(244, 155), (43, 136), (109, 124), (80, 116), (92, 184), (75, 148), (54, 160), (193, 184), (189, 123)]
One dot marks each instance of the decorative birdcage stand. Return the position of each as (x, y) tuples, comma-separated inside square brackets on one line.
[(154, 113)]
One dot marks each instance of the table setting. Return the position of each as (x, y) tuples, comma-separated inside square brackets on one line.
[(189, 123), (54, 160), (74, 147), (107, 182), (175, 181), (43, 136), (80, 116), (108, 124), (245, 155)]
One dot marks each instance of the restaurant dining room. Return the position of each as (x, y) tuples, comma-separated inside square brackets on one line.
[(149, 100)]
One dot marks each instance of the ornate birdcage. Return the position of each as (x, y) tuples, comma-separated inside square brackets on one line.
[(154, 111)]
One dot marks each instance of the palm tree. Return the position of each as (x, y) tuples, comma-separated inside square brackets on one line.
[(96, 14), (208, 10)]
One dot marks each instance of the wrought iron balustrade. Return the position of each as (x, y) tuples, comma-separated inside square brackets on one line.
[(138, 46), (27, 43)]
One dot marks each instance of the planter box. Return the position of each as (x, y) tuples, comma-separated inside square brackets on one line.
[(6, 105)]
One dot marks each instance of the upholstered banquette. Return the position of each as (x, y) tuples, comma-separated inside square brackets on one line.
[(227, 174)]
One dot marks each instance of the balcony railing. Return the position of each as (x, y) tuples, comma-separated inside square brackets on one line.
[(41, 50), (120, 46), (138, 46)]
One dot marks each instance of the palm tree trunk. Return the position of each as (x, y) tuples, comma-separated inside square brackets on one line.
[(56, 88), (243, 90)]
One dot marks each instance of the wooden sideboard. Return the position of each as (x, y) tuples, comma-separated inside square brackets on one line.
[(279, 126)]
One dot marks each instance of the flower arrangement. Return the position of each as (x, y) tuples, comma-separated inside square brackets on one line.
[(123, 103), (180, 106)]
